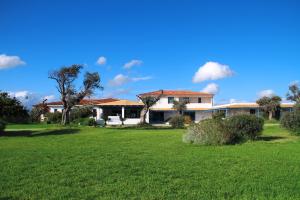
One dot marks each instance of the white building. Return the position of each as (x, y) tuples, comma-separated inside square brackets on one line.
[(199, 106)]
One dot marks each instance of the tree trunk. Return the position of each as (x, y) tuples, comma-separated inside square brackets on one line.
[(65, 117), (270, 115), (143, 115)]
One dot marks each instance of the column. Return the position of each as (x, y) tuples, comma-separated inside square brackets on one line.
[(123, 112)]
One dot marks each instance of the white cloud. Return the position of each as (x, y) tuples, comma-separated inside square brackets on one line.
[(118, 80), (49, 98), (211, 88), (29, 99), (266, 93), (121, 79), (212, 71), (10, 61), (20, 94), (101, 60), (145, 78), (235, 101), (132, 63)]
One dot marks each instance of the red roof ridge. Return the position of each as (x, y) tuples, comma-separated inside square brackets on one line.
[(87, 101), (176, 92)]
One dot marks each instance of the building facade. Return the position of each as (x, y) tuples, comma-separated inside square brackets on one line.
[(199, 106)]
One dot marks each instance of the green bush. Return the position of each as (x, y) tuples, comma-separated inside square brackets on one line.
[(233, 130), (244, 127), (177, 121), (53, 118), (291, 121), (87, 122), (207, 132), (219, 114), (80, 112), (2, 126)]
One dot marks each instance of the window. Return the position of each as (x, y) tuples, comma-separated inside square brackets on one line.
[(252, 111), (94, 113), (199, 100), (170, 100), (185, 99), (132, 113)]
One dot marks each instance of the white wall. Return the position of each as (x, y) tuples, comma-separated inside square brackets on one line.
[(163, 103)]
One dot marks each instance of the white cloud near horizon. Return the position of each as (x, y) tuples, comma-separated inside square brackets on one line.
[(121, 79), (101, 60), (10, 61), (212, 71), (266, 93), (28, 99), (132, 63), (211, 88), (49, 97)]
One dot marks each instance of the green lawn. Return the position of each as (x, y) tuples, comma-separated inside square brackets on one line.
[(99, 163)]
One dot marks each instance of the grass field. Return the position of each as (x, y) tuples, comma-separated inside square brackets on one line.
[(100, 163)]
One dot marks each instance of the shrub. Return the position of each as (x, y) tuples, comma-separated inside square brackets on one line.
[(291, 121), (2, 126), (229, 131), (54, 118), (187, 119), (244, 126), (177, 121), (80, 112), (219, 114), (87, 122), (207, 132)]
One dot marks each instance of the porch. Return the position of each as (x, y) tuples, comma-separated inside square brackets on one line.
[(122, 112)]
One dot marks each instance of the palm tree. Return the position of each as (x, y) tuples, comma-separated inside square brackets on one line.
[(180, 106), (148, 101), (269, 104)]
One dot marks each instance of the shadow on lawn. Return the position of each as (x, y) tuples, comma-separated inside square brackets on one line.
[(32, 133), (270, 138)]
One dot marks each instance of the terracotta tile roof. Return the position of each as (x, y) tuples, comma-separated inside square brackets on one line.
[(177, 93), (85, 102), (122, 103)]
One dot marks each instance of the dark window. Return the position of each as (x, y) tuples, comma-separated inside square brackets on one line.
[(170, 100), (252, 111), (55, 110), (191, 115), (199, 100), (94, 112), (132, 113), (185, 99)]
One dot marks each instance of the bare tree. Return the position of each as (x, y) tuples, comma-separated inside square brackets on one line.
[(65, 77), (148, 101)]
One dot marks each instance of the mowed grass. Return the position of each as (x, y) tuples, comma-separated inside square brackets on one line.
[(107, 163)]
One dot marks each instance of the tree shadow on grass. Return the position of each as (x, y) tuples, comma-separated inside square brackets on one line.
[(270, 138), (33, 133)]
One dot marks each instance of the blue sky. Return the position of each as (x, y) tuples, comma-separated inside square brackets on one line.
[(258, 41)]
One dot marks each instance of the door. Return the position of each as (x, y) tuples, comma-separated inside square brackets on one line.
[(156, 117)]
